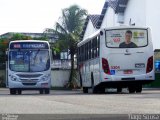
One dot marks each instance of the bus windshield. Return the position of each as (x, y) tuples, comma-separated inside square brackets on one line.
[(29, 60), (130, 38)]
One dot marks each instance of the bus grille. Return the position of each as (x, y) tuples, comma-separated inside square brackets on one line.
[(24, 80), (29, 75), (29, 83)]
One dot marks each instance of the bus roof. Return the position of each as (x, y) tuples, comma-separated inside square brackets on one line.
[(28, 41), (125, 27), (109, 28)]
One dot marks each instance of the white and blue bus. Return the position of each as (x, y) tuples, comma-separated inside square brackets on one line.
[(29, 66), (117, 57)]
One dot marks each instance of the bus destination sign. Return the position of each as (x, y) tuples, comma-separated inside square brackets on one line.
[(27, 45)]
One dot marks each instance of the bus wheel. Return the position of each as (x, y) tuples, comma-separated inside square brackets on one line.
[(41, 91), (139, 89), (119, 90), (101, 90), (47, 91), (85, 90), (12, 91), (19, 92), (94, 89), (131, 89)]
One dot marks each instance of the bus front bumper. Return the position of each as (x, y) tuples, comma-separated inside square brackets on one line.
[(29, 85)]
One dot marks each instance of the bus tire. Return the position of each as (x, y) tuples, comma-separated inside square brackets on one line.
[(101, 90), (41, 91), (19, 91), (119, 89), (139, 89), (85, 90), (94, 89), (47, 91), (12, 91), (131, 89)]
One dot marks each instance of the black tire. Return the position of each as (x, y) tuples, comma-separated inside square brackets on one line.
[(139, 89), (85, 90), (94, 89), (41, 91), (12, 91), (19, 91), (119, 90), (131, 89), (101, 90), (47, 91)]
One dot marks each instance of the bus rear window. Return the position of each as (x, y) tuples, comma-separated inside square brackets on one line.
[(126, 38)]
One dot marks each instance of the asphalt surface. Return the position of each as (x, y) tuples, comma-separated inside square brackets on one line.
[(75, 102)]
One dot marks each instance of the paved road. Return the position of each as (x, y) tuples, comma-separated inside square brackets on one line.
[(75, 102)]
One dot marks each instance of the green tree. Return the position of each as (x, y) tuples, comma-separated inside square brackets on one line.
[(69, 29), (18, 36)]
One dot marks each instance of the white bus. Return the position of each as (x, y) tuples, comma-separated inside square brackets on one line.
[(117, 57), (29, 66)]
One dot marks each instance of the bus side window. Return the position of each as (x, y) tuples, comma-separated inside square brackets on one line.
[(83, 54), (84, 57), (98, 45), (78, 54), (95, 47), (86, 49), (89, 48), (80, 59), (92, 48)]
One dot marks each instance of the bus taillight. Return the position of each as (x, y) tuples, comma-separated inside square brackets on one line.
[(149, 65), (105, 66)]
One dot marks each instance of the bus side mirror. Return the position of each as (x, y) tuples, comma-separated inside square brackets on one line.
[(101, 33)]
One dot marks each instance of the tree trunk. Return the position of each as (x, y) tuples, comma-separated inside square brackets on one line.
[(72, 71)]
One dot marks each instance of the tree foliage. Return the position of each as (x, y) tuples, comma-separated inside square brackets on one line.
[(69, 29)]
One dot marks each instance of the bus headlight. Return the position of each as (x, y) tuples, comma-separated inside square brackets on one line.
[(14, 78), (45, 77)]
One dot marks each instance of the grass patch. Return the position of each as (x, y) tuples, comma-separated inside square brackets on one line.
[(156, 83)]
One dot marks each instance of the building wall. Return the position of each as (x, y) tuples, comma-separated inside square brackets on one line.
[(109, 18), (89, 30), (145, 13), (136, 11), (153, 20)]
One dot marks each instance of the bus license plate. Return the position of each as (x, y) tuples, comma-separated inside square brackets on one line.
[(127, 71)]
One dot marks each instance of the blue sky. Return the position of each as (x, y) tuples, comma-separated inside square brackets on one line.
[(36, 15)]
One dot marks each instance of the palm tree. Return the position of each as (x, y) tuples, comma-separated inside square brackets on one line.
[(69, 29)]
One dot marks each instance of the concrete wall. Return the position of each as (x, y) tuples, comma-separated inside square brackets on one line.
[(59, 77)]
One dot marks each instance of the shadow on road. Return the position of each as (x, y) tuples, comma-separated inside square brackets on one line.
[(5, 91)]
